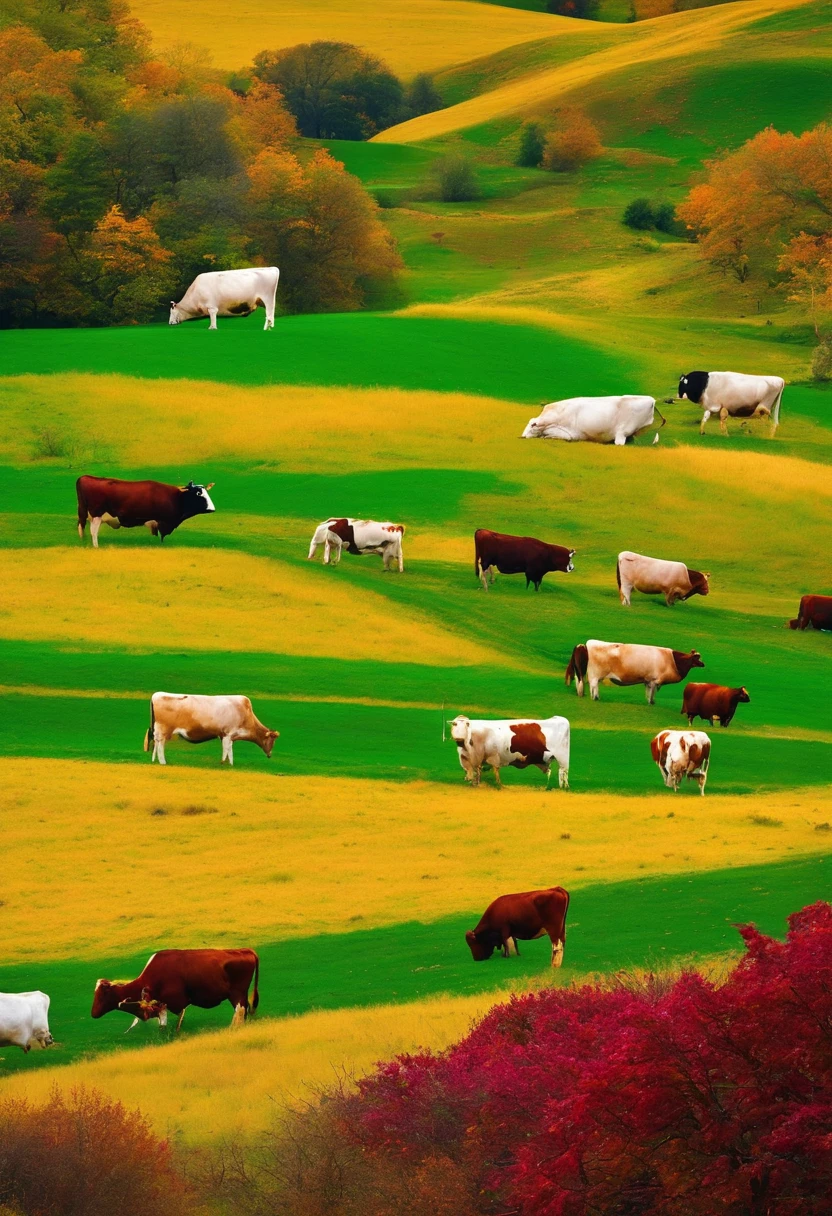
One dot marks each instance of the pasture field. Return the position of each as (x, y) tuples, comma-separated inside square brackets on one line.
[(355, 859)]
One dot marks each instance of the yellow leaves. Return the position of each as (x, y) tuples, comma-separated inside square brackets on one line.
[(126, 246), (574, 142)]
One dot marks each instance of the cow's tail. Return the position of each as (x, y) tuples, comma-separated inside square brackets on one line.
[(775, 410), (82, 508), (618, 573), (255, 996), (148, 734), (565, 910), (656, 410), (577, 664), (477, 566)]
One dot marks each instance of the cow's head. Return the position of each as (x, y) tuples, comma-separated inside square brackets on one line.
[(684, 662), (692, 386), (534, 429), (461, 730), (144, 1008), (197, 500), (268, 741), (744, 697), (106, 998), (794, 624), (481, 949), (699, 583), (175, 315)]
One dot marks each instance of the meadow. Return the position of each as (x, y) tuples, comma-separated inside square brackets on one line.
[(355, 859)]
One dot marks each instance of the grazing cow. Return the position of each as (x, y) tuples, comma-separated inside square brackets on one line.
[(522, 917), (594, 419), (733, 395), (24, 1020), (228, 293), (624, 663), (358, 536), (815, 610), (712, 702), (682, 753), (135, 504), (518, 555), (197, 719), (654, 576), (174, 979), (518, 742)]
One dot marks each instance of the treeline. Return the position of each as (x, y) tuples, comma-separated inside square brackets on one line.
[(123, 174)]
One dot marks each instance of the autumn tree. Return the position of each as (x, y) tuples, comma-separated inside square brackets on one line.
[(807, 260), (574, 141), (122, 272)]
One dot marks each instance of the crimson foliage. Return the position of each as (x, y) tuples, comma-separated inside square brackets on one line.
[(683, 1098)]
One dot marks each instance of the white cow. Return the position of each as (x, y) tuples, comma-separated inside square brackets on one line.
[(24, 1020), (196, 719), (628, 663), (680, 754), (228, 293), (594, 419), (358, 536), (518, 742), (733, 395), (656, 576)]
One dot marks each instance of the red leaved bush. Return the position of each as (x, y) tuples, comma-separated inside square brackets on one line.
[(682, 1098)]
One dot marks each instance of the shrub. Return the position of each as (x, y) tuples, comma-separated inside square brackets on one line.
[(822, 361), (532, 145), (665, 220), (423, 97), (573, 143), (586, 9), (457, 179), (84, 1155), (639, 214)]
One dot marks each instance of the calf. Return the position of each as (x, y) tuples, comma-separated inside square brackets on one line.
[(135, 504), (625, 664), (712, 702), (197, 719), (519, 743), (24, 1020), (654, 576), (174, 979), (814, 611), (682, 753), (518, 555), (522, 917), (733, 395), (359, 536)]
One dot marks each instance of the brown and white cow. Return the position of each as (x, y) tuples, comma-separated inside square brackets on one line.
[(522, 917), (815, 611), (135, 504), (196, 719), (712, 702), (655, 576), (518, 555), (680, 754), (174, 979), (359, 536), (625, 663), (518, 742)]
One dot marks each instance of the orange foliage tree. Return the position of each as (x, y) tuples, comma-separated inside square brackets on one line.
[(122, 272), (573, 143)]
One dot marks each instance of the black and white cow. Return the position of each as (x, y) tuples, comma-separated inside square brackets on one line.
[(733, 395)]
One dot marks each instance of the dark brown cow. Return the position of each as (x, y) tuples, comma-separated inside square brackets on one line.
[(518, 555), (174, 979), (521, 917), (135, 504), (815, 610), (712, 702)]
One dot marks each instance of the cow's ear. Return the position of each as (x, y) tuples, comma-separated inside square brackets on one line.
[(173, 303), (189, 486), (211, 485)]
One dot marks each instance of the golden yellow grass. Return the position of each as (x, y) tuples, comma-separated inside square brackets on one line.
[(408, 35), (317, 855), (237, 1081), (213, 600), (646, 42)]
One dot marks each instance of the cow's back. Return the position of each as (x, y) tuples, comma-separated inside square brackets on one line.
[(192, 710)]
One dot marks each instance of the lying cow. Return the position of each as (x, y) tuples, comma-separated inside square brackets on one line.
[(197, 719), (135, 504), (518, 555), (24, 1020), (595, 419), (814, 611), (712, 702), (654, 576), (228, 293), (174, 979), (625, 663), (680, 754), (516, 742), (358, 536), (522, 917), (733, 395)]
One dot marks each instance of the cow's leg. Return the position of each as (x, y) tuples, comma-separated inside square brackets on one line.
[(624, 593), (650, 688), (705, 418), (179, 1020), (239, 1015), (509, 943), (95, 528), (723, 421), (401, 559), (484, 576), (563, 777), (212, 313), (593, 689), (495, 768), (158, 747), (557, 952), (690, 719), (227, 750)]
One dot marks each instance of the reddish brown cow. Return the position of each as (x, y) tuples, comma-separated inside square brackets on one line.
[(518, 555), (135, 504), (815, 610), (713, 702), (522, 917), (174, 979)]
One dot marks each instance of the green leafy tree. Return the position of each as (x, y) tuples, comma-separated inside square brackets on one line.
[(457, 179), (422, 96), (532, 145), (639, 214)]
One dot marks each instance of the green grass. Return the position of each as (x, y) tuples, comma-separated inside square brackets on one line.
[(611, 927)]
